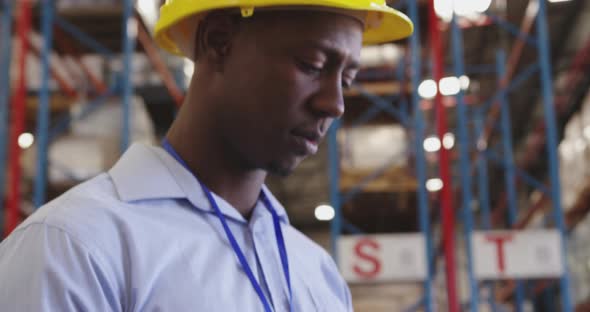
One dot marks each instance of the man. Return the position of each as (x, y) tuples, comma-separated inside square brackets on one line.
[(190, 226)]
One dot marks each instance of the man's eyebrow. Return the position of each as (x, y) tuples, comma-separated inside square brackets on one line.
[(330, 50)]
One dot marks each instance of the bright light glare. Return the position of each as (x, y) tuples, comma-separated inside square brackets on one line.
[(427, 89), (481, 5), (450, 86), (432, 144), (466, 8), (324, 213), (26, 140), (555, 1), (444, 9), (434, 185), (149, 10), (189, 69), (465, 82), (448, 141)]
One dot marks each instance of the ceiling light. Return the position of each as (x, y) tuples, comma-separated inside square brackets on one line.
[(448, 141), (432, 144), (324, 212), (148, 10), (556, 1), (464, 81), (450, 86), (465, 8), (434, 185), (26, 140), (427, 89)]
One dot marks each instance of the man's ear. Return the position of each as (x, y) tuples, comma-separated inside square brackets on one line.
[(215, 37)]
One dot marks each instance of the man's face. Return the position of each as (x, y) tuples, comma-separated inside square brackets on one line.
[(282, 85)]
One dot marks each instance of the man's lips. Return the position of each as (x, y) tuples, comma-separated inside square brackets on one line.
[(312, 136), (306, 141)]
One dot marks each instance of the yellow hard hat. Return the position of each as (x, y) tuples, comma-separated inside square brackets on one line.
[(176, 28)]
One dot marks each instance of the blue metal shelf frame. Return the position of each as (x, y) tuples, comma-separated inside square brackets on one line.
[(419, 135), (551, 131), (43, 112), (509, 174), (464, 162), (129, 37), (542, 66), (415, 123), (7, 7), (122, 85)]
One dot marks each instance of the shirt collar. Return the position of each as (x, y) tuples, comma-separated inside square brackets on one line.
[(149, 172)]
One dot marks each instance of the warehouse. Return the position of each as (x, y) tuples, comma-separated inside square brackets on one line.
[(445, 146)]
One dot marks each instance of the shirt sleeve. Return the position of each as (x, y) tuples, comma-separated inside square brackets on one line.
[(43, 268)]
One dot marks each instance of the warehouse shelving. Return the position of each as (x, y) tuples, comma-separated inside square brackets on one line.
[(476, 123), (111, 31)]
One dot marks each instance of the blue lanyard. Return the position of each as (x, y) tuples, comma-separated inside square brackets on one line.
[(237, 250)]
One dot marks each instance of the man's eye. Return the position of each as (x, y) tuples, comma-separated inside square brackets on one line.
[(309, 68)]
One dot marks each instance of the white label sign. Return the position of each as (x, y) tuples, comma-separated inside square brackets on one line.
[(381, 258), (517, 254)]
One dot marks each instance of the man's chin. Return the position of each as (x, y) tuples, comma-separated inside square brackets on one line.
[(282, 169)]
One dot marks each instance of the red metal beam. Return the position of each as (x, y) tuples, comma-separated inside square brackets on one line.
[(18, 118), (69, 48), (61, 81), (446, 202)]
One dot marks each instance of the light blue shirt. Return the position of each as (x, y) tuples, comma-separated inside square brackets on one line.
[(143, 237)]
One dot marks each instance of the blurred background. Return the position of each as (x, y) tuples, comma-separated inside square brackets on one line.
[(456, 181)]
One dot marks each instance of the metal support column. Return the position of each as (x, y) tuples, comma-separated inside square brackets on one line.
[(5, 56), (18, 119), (484, 195), (464, 162), (423, 206), (129, 36), (509, 174), (335, 198), (446, 193), (43, 112), (551, 131)]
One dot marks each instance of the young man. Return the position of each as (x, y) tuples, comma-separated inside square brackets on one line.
[(190, 226)]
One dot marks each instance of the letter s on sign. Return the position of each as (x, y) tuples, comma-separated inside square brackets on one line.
[(365, 250)]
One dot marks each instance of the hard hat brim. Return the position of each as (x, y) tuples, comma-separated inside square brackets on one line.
[(391, 24)]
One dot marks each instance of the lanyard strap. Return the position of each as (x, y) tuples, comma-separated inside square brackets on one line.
[(236, 247)]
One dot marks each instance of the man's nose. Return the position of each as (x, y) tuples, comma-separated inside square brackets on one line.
[(329, 99)]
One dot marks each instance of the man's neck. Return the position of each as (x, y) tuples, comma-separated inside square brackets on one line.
[(215, 168)]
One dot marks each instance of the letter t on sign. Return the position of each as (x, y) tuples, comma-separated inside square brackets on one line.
[(500, 240)]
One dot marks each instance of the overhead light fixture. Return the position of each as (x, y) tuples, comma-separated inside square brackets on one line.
[(434, 185), (432, 144), (324, 213), (464, 81), (449, 86), (26, 140), (148, 9), (471, 9), (448, 141), (556, 1), (427, 89)]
